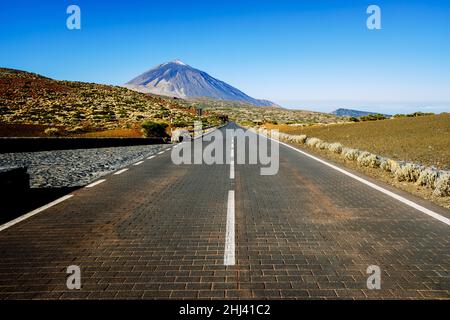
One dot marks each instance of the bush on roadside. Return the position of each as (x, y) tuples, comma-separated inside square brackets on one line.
[(154, 129), (442, 185), (428, 178), (408, 172), (367, 159), (52, 132), (322, 145), (301, 138), (335, 147), (389, 165), (351, 154), (77, 129), (181, 124), (312, 142)]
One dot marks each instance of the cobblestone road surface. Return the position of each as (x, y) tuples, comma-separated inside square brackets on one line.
[(158, 230)]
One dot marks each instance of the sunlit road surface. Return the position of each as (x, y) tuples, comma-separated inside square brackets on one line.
[(160, 230)]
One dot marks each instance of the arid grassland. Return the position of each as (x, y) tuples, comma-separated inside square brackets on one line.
[(423, 140)]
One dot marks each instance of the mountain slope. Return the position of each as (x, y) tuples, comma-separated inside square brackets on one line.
[(180, 80), (33, 100), (354, 113)]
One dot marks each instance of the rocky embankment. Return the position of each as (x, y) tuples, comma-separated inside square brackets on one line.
[(71, 168)]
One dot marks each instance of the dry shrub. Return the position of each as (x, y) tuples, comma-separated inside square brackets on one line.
[(312, 142), (52, 132), (350, 154), (293, 138), (362, 155), (428, 178), (408, 172), (442, 185), (300, 139), (389, 165), (76, 129), (367, 159), (384, 164), (275, 135), (335, 147), (322, 145)]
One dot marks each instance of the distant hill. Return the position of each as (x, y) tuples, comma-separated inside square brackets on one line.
[(177, 79), (355, 113)]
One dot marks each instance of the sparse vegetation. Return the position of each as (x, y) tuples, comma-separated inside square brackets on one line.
[(423, 140), (372, 117), (154, 129), (249, 115), (79, 108), (417, 177), (52, 132), (414, 114)]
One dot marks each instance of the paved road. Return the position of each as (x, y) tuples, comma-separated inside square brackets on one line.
[(160, 230)]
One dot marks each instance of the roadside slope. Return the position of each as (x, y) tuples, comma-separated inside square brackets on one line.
[(424, 139)]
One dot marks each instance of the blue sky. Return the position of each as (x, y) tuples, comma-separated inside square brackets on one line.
[(313, 54)]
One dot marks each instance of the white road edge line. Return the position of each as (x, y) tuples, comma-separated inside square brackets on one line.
[(93, 184), (161, 152), (150, 158), (229, 255), (34, 212), (138, 163), (121, 171), (374, 186)]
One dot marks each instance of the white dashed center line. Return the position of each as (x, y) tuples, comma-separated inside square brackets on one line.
[(232, 161), (232, 169), (229, 255), (150, 158), (138, 163), (229, 258), (161, 152)]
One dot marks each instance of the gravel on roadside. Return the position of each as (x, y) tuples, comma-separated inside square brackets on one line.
[(78, 167)]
